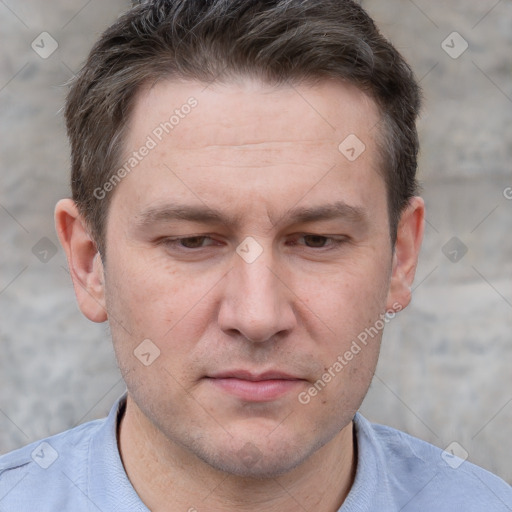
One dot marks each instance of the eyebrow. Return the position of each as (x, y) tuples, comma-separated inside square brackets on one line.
[(207, 215), (336, 210)]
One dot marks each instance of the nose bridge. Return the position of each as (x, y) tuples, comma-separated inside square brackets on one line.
[(256, 303), (258, 284)]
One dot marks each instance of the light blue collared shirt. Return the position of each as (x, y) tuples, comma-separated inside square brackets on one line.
[(80, 470)]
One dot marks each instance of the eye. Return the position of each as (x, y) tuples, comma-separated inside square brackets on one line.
[(314, 241), (193, 242), (190, 242)]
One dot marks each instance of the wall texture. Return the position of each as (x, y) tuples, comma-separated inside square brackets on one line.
[(444, 373)]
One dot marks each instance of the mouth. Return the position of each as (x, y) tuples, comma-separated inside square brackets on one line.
[(255, 387)]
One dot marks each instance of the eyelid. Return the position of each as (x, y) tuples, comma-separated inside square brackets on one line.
[(335, 241), (171, 240)]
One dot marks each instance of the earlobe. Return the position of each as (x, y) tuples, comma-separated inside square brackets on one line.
[(84, 260), (405, 257)]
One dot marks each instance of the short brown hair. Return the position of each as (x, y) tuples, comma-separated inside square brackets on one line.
[(278, 41)]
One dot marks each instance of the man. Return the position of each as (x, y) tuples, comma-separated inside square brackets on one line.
[(244, 211)]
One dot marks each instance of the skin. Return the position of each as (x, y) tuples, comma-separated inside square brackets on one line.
[(254, 153)]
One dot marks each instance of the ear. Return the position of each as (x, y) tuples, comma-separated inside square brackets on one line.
[(405, 257), (84, 260)]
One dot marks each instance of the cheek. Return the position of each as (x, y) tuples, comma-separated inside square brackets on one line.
[(145, 295), (146, 301), (350, 297), (347, 308)]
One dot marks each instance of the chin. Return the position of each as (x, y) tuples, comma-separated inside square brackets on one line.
[(255, 460), (267, 466)]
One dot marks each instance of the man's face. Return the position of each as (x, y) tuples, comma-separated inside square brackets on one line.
[(232, 325)]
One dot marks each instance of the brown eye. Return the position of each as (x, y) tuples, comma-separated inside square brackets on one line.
[(193, 242), (315, 241)]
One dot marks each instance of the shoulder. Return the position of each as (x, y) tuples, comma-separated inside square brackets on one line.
[(421, 476), (37, 474), (45, 451)]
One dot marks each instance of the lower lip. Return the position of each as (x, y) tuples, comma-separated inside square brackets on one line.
[(257, 391)]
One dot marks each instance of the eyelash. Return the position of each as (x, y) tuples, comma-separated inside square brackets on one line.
[(175, 242)]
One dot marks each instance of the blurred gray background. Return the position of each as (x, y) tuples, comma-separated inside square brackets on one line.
[(445, 369)]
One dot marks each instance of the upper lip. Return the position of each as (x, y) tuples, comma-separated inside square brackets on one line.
[(253, 376)]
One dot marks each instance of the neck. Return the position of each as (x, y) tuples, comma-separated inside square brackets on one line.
[(168, 477)]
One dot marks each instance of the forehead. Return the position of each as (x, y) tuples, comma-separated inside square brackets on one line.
[(250, 138), (250, 111)]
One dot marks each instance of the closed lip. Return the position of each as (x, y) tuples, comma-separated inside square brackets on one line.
[(253, 376)]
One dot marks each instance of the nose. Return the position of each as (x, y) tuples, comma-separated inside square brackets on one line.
[(257, 302)]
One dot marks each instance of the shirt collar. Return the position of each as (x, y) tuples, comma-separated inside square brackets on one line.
[(110, 489), (108, 485)]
